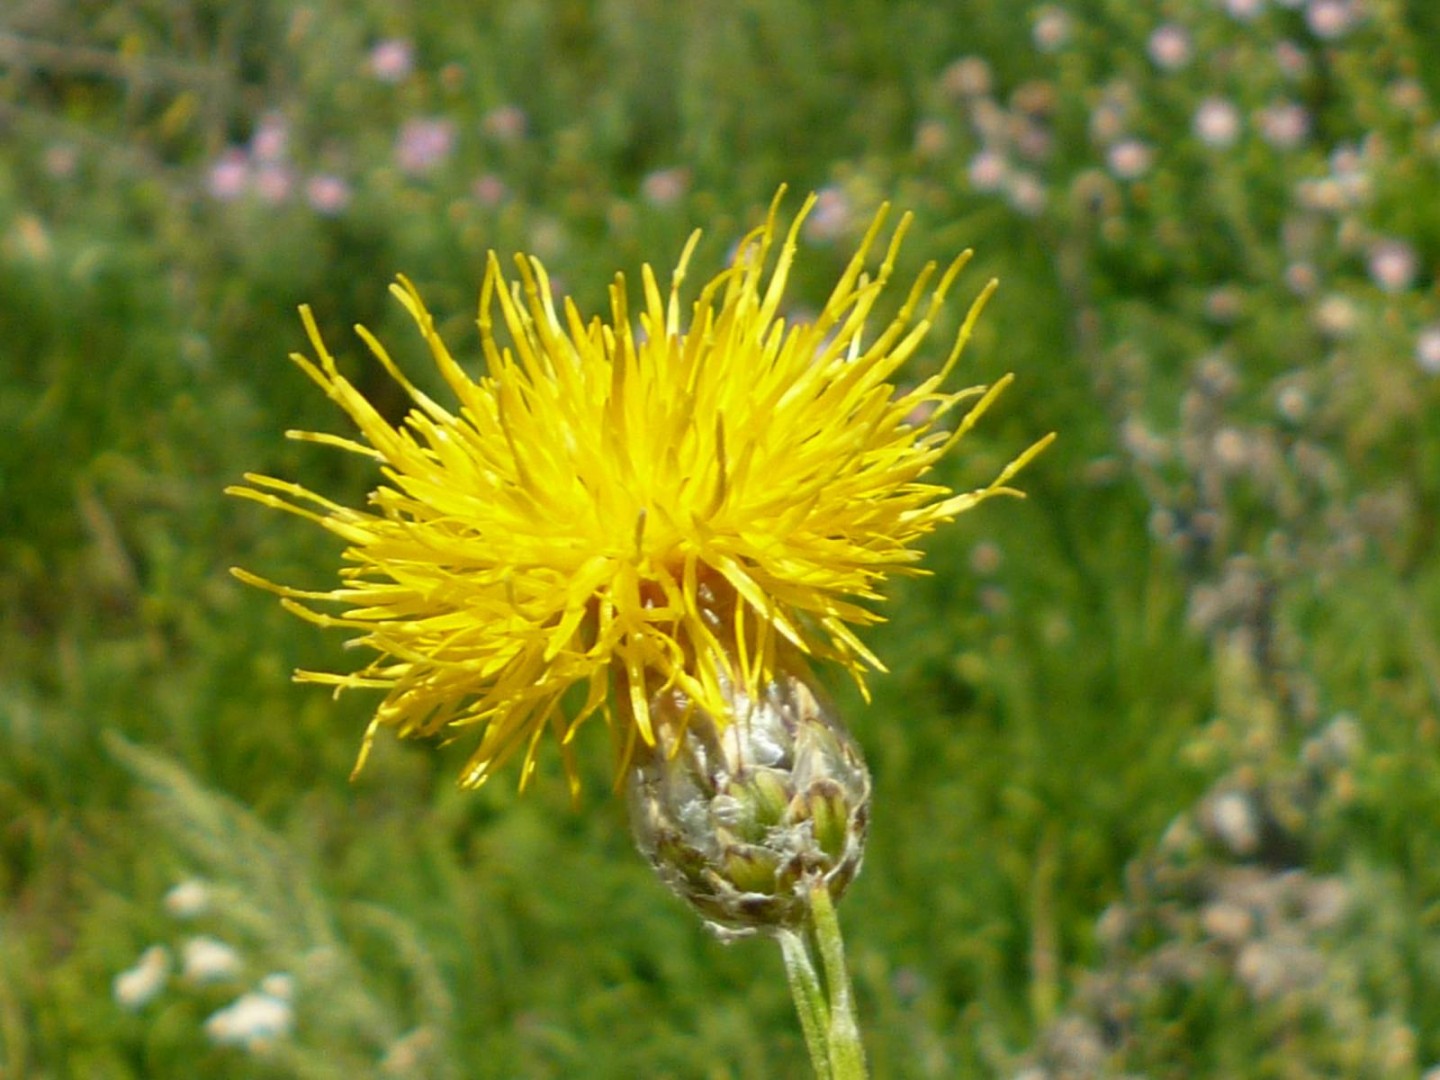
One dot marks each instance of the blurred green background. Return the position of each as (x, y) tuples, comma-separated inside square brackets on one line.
[(1155, 765)]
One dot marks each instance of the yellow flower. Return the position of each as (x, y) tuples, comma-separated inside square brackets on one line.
[(571, 532)]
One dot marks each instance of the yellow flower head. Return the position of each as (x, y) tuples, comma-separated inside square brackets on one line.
[(564, 529)]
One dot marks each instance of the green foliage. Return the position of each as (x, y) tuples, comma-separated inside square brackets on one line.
[(1215, 613)]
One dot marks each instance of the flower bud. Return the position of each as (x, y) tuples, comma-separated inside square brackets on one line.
[(739, 814)]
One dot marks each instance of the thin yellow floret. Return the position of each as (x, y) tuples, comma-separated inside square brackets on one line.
[(557, 536)]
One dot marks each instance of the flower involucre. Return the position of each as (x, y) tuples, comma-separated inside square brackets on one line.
[(570, 530)]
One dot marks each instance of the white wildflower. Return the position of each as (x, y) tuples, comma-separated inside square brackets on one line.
[(188, 899), (1427, 349), (137, 986), (209, 960), (252, 1021)]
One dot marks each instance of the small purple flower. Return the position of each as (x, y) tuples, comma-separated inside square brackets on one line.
[(1293, 403), (1129, 159), (931, 140), (831, 217), (327, 194), (1224, 304), (1301, 278), (1217, 123), (489, 190), (967, 77), (424, 144), (1292, 60), (1393, 265), (1322, 193), (1109, 118), (988, 171), (990, 121), (1284, 125), (274, 182), (270, 139), (1329, 19), (920, 413), (1025, 192), (1408, 95), (61, 160), (506, 124), (230, 175), (392, 60), (1169, 47), (1351, 176), (665, 187), (1034, 142), (1052, 29)]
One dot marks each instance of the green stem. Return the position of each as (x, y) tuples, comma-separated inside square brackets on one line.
[(847, 1052), (809, 999), (831, 1033)]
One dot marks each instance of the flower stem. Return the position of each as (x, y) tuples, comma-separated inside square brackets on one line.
[(847, 1053), (809, 999), (831, 1033)]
